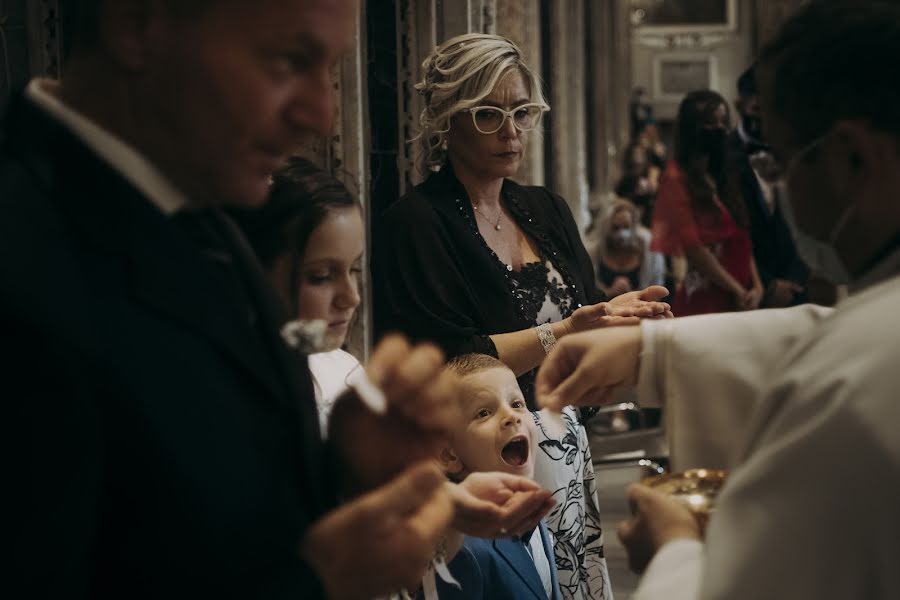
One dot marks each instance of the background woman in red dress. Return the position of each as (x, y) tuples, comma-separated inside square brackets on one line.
[(699, 214)]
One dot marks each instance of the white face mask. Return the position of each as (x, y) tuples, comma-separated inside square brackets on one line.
[(622, 236), (820, 256)]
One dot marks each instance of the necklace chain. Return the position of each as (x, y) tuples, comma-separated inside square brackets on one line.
[(496, 224)]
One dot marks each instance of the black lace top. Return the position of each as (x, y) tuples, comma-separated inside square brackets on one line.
[(541, 289)]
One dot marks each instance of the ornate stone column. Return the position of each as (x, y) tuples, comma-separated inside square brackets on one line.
[(519, 20), (568, 158)]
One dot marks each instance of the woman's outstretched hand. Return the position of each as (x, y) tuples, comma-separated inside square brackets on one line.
[(627, 309), (645, 304)]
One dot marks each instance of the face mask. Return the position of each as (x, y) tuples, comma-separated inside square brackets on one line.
[(752, 126), (820, 256), (621, 237), (712, 143)]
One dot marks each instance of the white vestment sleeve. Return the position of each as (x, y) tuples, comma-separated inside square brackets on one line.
[(707, 371), (674, 573)]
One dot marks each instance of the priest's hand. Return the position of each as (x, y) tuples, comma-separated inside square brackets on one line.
[(657, 520), (493, 505), (382, 541), (586, 368), (422, 410)]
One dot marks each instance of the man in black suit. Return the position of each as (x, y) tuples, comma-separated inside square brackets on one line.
[(783, 273), (163, 438)]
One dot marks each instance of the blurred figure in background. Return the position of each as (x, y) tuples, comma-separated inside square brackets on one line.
[(640, 112), (639, 181), (782, 273), (624, 259), (699, 214)]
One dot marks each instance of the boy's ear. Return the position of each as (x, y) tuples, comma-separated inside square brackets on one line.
[(451, 463)]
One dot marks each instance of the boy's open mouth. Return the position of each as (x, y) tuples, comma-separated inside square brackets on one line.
[(515, 452)]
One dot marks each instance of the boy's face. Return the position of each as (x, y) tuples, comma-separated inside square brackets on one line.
[(497, 431)]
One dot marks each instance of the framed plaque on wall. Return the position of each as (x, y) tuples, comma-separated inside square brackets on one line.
[(675, 75), (681, 16)]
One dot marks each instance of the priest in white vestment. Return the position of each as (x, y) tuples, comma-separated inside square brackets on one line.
[(803, 404)]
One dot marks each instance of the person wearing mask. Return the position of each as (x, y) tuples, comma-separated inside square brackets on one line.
[(625, 261), (699, 214), (781, 270), (809, 510), (165, 433)]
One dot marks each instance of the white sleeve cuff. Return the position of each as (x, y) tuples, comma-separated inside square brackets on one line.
[(655, 337), (674, 573)]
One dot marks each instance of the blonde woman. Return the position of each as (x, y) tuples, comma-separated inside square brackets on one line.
[(477, 263)]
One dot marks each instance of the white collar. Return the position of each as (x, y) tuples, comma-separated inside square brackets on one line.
[(125, 159)]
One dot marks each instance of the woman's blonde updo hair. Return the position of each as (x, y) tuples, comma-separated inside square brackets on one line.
[(459, 74)]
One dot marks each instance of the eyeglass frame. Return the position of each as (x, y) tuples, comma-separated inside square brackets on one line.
[(507, 114)]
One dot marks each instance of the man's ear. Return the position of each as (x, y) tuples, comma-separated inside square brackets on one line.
[(127, 27), (450, 462)]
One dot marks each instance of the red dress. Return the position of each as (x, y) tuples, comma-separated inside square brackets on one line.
[(677, 226)]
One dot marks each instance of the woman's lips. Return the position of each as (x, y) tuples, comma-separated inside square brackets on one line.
[(338, 324)]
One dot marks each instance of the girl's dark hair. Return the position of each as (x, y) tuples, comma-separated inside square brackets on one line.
[(695, 111), (300, 198)]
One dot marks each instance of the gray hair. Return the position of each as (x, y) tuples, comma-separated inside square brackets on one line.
[(459, 74)]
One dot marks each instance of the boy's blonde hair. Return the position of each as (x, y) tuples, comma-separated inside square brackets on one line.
[(469, 364)]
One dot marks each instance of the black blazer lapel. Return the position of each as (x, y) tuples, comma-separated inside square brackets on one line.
[(291, 365), (515, 554)]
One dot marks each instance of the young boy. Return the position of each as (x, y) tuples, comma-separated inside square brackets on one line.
[(497, 434)]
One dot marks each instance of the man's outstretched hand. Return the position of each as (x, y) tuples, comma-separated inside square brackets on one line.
[(422, 409), (383, 540)]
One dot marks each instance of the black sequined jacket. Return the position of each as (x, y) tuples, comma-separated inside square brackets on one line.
[(435, 278)]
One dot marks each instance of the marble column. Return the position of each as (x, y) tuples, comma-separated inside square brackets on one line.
[(519, 20)]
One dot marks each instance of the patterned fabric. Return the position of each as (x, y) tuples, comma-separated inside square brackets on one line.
[(540, 288), (563, 464)]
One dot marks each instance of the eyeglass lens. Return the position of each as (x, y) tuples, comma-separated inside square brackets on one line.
[(489, 119)]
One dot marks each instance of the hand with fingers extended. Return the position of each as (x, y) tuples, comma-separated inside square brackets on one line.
[(422, 410), (381, 541), (584, 369), (646, 304), (494, 504), (656, 520)]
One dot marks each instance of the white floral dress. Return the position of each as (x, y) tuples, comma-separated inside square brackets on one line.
[(563, 463)]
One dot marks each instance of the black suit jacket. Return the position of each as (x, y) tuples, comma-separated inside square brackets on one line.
[(773, 245), (163, 441)]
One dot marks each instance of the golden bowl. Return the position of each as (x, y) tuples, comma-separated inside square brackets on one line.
[(696, 488)]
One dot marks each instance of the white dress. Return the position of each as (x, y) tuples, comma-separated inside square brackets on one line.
[(810, 509), (329, 372)]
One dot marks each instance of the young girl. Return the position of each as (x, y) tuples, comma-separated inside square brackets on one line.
[(310, 238)]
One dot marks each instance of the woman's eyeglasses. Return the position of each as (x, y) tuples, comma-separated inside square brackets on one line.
[(489, 119)]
